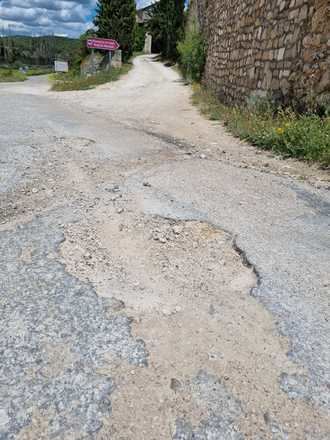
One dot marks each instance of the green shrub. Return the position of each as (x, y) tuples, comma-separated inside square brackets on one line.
[(10, 75), (36, 71), (192, 55), (139, 38), (284, 132)]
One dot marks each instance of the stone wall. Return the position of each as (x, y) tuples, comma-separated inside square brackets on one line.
[(278, 48)]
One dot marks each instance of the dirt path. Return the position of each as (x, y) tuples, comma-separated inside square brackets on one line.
[(152, 286)]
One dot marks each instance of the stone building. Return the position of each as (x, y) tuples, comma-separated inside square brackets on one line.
[(277, 48), (143, 15)]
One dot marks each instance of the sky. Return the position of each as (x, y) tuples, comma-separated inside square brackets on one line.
[(47, 17)]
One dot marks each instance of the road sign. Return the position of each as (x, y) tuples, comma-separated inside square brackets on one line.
[(102, 44), (61, 66)]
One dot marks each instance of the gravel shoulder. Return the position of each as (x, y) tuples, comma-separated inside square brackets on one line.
[(159, 279)]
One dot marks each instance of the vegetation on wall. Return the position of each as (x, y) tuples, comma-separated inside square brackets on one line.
[(303, 136), (166, 26), (117, 19), (192, 53)]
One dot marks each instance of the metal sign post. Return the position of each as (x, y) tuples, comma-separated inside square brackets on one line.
[(102, 44), (93, 62), (110, 60)]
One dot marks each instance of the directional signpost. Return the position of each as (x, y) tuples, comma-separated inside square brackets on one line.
[(103, 44)]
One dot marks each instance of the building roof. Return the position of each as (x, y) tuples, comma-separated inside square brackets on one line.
[(144, 14)]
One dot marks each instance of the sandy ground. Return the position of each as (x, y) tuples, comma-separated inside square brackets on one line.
[(159, 278)]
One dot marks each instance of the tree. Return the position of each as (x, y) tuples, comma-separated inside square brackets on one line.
[(116, 19), (166, 25)]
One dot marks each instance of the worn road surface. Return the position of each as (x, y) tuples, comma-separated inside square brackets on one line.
[(159, 279)]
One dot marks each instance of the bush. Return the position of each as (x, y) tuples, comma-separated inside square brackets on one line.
[(192, 55), (36, 71), (10, 75), (139, 38), (284, 131)]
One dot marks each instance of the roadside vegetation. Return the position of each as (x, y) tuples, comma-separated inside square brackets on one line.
[(11, 75), (283, 131), (73, 81), (192, 54), (14, 75), (262, 122), (37, 71)]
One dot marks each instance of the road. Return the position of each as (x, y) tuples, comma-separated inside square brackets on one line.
[(159, 278)]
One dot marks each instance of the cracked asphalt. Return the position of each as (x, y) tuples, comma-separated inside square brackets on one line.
[(158, 278)]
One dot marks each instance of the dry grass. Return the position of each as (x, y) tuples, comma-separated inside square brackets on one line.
[(72, 81), (285, 132)]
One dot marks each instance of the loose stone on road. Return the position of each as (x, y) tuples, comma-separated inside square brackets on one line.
[(158, 280)]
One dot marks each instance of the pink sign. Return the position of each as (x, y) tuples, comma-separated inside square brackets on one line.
[(102, 44)]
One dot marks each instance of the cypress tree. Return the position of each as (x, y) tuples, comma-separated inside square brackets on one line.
[(166, 25), (116, 19)]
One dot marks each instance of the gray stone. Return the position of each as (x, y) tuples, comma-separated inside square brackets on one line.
[(147, 44), (117, 59)]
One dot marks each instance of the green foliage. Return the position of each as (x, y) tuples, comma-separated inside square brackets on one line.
[(139, 38), (10, 75), (18, 51), (71, 81), (36, 71), (166, 26), (117, 19), (82, 51), (324, 104), (192, 54), (284, 132)]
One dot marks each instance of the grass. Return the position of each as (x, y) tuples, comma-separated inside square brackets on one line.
[(35, 71), (8, 74), (11, 75), (284, 132), (72, 81)]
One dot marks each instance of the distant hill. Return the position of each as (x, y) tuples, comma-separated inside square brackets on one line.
[(19, 50)]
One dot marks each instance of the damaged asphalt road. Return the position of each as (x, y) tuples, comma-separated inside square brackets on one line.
[(151, 289)]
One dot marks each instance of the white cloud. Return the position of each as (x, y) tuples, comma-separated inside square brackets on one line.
[(45, 17)]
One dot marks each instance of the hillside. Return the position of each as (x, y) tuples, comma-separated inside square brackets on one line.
[(36, 50)]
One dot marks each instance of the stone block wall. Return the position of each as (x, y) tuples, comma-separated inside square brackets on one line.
[(277, 48)]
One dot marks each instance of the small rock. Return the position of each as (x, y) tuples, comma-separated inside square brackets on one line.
[(34, 190), (177, 229), (175, 384), (145, 183), (202, 156), (120, 210), (4, 419)]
